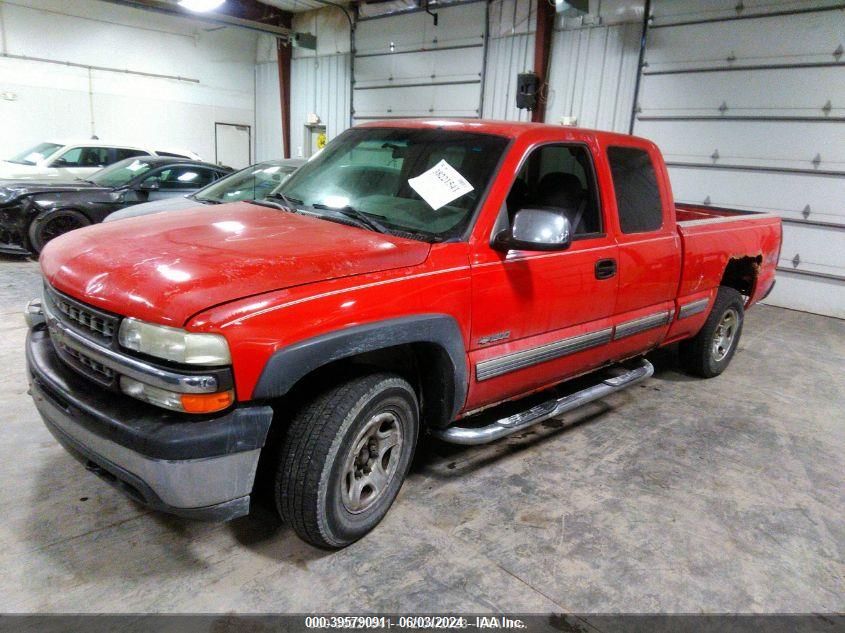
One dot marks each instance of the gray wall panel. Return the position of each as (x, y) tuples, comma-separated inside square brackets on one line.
[(406, 66), (783, 125), (802, 38), (801, 92), (789, 144), (506, 57), (593, 74), (676, 11), (268, 113), (788, 195), (320, 85)]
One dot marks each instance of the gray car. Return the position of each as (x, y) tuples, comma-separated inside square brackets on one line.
[(251, 183)]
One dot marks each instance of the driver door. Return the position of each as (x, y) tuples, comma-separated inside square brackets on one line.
[(539, 317)]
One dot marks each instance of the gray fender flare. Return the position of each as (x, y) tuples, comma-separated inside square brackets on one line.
[(290, 364)]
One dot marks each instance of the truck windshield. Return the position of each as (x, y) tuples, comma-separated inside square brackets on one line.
[(424, 182), (121, 172)]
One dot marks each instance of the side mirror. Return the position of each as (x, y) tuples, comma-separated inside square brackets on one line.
[(536, 230), (150, 185)]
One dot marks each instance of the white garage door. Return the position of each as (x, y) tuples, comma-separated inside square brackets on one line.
[(747, 101), (405, 66)]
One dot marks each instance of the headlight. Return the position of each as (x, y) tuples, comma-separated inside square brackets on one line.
[(174, 344)]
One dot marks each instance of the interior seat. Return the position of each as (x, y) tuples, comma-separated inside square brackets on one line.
[(563, 191)]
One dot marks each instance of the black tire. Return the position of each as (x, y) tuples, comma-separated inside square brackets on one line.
[(708, 353), (51, 224), (321, 482)]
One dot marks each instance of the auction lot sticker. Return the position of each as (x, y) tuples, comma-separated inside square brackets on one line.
[(440, 185)]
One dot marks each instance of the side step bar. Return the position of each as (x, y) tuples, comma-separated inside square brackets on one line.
[(550, 409)]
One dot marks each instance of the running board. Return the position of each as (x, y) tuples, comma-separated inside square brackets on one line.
[(549, 409)]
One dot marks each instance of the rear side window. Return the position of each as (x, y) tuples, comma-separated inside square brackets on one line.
[(122, 153), (637, 195)]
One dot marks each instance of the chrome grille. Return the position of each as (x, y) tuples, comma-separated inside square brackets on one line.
[(81, 317), (87, 366)]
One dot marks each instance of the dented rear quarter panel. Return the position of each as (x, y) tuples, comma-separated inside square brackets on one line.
[(710, 243)]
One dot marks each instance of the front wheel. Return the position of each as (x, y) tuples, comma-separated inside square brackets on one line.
[(51, 224), (709, 352), (345, 457)]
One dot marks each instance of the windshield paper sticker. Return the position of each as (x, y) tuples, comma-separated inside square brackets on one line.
[(440, 185)]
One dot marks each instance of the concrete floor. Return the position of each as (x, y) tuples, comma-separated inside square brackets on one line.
[(679, 495)]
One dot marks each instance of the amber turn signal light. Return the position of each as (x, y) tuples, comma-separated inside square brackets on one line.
[(206, 402)]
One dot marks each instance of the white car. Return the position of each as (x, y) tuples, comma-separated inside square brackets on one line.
[(66, 161)]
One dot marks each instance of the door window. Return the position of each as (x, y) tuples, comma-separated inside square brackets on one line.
[(83, 157), (637, 194), (188, 177), (559, 178), (122, 153)]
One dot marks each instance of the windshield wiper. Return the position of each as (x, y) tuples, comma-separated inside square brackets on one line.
[(90, 182), (362, 218), (278, 195), (205, 200), (273, 205)]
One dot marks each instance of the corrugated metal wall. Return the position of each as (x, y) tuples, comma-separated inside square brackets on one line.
[(510, 51), (320, 85), (321, 80), (593, 74), (268, 116), (593, 66)]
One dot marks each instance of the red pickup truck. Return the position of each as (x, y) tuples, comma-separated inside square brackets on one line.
[(411, 275)]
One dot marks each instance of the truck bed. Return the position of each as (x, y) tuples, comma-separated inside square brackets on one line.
[(687, 213), (713, 236)]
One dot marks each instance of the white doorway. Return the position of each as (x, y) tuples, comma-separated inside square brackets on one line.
[(232, 145)]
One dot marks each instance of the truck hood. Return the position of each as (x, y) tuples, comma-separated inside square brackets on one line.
[(168, 267)]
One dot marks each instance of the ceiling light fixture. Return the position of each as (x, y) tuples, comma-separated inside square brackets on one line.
[(201, 6)]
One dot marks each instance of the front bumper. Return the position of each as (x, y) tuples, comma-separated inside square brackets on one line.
[(201, 468)]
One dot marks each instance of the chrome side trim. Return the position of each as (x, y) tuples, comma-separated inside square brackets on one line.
[(520, 360), (127, 366), (552, 408), (694, 307), (641, 324)]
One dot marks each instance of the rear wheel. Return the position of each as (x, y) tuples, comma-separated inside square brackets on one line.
[(52, 224), (709, 352), (345, 457)]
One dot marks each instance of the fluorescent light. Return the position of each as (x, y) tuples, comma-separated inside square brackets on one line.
[(201, 6)]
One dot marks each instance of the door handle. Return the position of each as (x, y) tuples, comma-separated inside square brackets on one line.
[(605, 268)]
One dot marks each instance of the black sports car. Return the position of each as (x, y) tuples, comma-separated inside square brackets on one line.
[(32, 213)]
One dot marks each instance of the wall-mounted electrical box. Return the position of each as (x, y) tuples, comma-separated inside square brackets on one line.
[(527, 85)]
